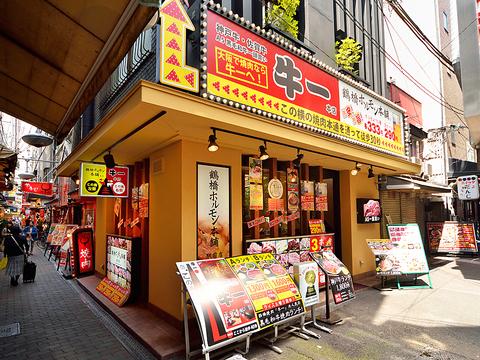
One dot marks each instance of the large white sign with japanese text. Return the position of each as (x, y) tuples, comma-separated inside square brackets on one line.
[(213, 211), (379, 121)]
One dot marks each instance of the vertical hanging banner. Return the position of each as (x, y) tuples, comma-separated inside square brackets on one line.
[(255, 180), (292, 190), (307, 195), (321, 198), (173, 52), (143, 201), (97, 180), (82, 252), (213, 211)]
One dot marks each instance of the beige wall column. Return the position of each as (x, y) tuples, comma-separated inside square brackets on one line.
[(104, 224)]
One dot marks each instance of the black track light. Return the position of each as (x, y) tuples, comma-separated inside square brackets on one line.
[(109, 160), (263, 151), (212, 142), (370, 172), (296, 162)]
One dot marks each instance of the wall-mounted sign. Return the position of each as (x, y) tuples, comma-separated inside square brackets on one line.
[(173, 37), (98, 181), (245, 68), (39, 188), (368, 211), (373, 122), (224, 310), (467, 187), (213, 211), (117, 285), (451, 237), (317, 226)]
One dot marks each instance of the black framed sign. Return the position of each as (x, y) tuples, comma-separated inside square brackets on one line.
[(368, 211), (213, 211)]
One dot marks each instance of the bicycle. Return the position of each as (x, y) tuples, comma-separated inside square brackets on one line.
[(42, 241)]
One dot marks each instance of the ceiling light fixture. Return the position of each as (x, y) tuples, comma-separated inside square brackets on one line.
[(263, 151), (212, 142)]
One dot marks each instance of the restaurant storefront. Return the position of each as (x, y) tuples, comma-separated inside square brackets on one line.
[(326, 136)]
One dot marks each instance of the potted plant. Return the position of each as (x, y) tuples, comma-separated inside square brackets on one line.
[(348, 56), (281, 16)]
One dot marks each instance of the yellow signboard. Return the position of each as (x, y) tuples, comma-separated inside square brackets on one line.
[(173, 34), (98, 181)]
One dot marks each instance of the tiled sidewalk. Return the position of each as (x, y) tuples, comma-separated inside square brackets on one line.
[(55, 323)]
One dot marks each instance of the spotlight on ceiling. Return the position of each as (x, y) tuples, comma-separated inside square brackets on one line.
[(355, 170), (296, 162), (212, 142), (75, 179), (109, 160), (263, 151), (370, 172)]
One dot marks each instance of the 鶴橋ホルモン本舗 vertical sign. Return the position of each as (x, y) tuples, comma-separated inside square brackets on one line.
[(246, 69), (99, 181)]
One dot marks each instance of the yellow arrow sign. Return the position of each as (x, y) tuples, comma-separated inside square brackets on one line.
[(173, 38)]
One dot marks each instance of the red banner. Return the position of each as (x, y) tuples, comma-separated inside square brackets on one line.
[(39, 188)]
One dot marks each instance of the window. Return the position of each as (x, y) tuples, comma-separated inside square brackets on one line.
[(445, 21)]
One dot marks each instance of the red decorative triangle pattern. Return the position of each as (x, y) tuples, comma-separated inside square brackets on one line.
[(174, 11)]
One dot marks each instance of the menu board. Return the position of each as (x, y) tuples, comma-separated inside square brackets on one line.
[(274, 295), (65, 243), (51, 232), (117, 285), (222, 305), (306, 278), (55, 238), (402, 253), (451, 237), (289, 251), (339, 277)]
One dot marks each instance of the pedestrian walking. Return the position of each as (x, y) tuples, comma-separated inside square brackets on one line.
[(30, 232), (16, 248)]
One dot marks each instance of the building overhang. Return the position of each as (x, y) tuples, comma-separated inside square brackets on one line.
[(57, 54), (400, 183), (190, 117)]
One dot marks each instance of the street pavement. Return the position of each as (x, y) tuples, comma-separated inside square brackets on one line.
[(58, 321), (439, 323)]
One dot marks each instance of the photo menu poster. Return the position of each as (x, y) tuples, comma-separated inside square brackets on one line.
[(340, 279), (274, 295), (255, 181), (451, 237), (223, 307), (117, 285), (213, 211), (407, 249)]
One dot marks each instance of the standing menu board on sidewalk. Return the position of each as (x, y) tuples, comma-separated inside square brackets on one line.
[(451, 237), (240, 295), (339, 277), (274, 295), (402, 253), (223, 307)]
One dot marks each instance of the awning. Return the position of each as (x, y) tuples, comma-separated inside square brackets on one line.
[(55, 55), (400, 183)]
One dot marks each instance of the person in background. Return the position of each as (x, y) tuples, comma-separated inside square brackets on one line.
[(15, 248), (30, 232)]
